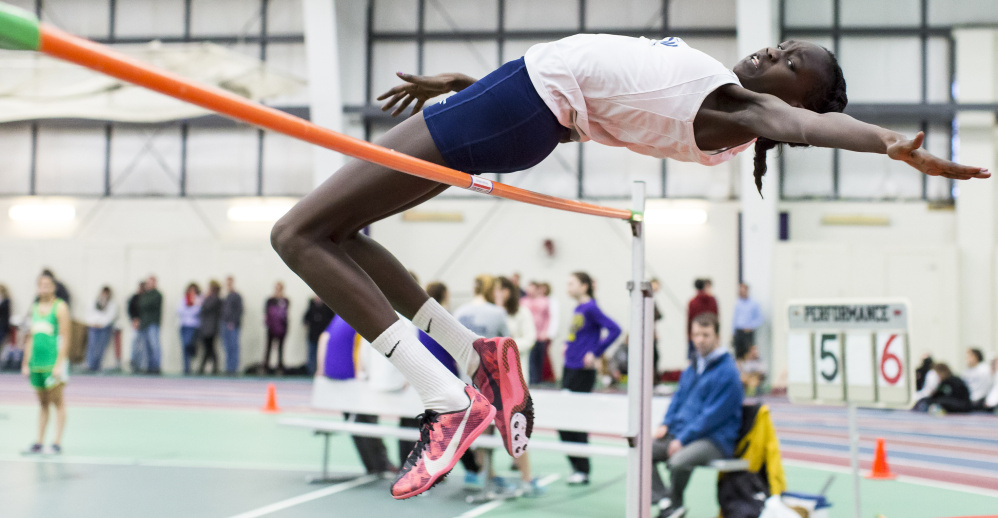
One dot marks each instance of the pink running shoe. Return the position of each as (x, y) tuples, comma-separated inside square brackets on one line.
[(500, 379), (443, 440)]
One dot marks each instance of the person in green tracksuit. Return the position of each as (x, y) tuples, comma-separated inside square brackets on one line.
[(45, 361)]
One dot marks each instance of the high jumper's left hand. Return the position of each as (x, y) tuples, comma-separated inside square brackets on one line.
[(910, 152)]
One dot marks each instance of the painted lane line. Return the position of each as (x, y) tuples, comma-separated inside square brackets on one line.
[(908, 479), (307, 497), (153, 463), (484, 508)]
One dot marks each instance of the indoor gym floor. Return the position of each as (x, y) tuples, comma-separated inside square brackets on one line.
[(156, 447)]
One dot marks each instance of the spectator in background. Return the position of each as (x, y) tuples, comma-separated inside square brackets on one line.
[(519, 321), (521, 328), (150, 316), (483, 318), (540, 309), (275, 317), (977, 377), (702, 302), (60, 288), (585, 344), (747, 318), (516, 280), (991, 401), (752, 370), (951, 396), (481, 315), (210, 317), (138, 344), (100, 323), (189, 314), (4, 314), (703, 419), (340, 344), (232, 320), (554, 308), (317, 318)]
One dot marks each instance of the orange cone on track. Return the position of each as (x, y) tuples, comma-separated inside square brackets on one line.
[(271, 406), (881, 470)]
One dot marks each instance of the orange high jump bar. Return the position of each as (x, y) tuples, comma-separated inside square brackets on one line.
[(20, 30)]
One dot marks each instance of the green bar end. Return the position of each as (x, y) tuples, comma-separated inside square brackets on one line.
[(637, 217), (18, 29)]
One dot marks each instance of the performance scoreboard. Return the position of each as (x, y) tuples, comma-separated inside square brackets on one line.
[(849, 350)]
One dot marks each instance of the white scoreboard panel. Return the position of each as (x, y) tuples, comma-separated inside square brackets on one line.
[(849, 350)]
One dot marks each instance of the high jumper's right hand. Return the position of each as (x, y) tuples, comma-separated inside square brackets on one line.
[(416, 88)]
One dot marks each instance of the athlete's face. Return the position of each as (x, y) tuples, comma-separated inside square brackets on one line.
[(791, 71), (46, 287)]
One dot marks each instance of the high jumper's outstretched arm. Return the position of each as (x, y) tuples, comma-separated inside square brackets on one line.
[(770, 117)]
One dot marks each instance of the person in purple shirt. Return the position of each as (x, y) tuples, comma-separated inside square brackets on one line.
[(586, 342)]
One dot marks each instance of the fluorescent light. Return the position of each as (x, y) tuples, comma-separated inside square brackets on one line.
[(42, 212), (676, 217), (258, 213)]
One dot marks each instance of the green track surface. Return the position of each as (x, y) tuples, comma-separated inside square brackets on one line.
[(174, 462)]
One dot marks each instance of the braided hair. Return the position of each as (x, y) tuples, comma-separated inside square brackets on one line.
[(830, 97)]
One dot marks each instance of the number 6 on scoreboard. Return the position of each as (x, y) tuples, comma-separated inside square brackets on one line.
[(892, 361)]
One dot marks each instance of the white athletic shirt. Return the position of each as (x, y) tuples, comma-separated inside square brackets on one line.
[(630, 92)]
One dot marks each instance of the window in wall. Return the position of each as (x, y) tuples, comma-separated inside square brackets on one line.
[(88, 19), (881, 13), (557, 175), (872, 176), (808, 13), (145, 160), (285, 17), (222, 161), (287, 165), (611, 171), (882, 70), (395, 15), (225, 18), (626, 14), (964, 12), (149, 19), (807, 173), (547, 15), (70, 159), (693, 13), (15, 167), (461, 15)]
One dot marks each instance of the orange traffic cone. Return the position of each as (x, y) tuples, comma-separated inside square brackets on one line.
[(271, 406), (881, 471)]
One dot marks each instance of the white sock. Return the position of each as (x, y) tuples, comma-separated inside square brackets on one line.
[(440, 390), (449, 333)]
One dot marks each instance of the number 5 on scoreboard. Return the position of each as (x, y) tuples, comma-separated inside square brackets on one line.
[(828, 366)]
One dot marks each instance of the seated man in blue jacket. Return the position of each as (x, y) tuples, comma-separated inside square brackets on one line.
[(703, 419)]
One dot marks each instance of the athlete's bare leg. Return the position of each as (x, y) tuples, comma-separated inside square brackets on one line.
[(319, 237)]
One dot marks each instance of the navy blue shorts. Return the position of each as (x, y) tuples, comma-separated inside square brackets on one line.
[(499, 124)]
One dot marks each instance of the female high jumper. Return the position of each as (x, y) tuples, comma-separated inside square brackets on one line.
[(656, 97)]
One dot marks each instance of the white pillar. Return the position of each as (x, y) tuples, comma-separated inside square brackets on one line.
[(758, 27), (977, 81), (322, 56)]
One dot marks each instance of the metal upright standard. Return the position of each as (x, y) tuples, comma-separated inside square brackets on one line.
[(639, 371)]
